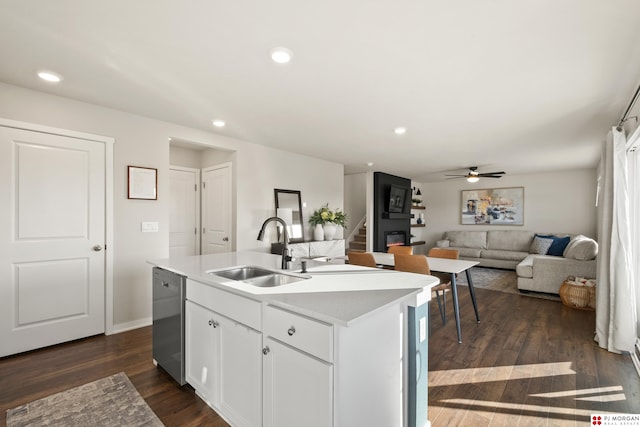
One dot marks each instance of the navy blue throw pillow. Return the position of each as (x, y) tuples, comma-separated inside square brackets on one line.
[(558, 246)]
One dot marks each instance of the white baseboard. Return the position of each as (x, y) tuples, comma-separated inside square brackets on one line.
[(124, 327), (635, 356)]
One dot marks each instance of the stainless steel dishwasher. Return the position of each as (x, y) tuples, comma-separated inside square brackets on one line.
[(169, 292)]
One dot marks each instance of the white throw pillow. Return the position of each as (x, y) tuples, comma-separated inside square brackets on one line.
[(540, 245), (581, 248)]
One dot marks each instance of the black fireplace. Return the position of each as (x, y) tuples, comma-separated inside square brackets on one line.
[(392, 226), (395, 238)]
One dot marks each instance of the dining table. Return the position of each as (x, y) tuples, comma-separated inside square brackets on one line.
[(443, 265)]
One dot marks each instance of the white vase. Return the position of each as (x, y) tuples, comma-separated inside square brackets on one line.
[(329, 230), (318, 232)]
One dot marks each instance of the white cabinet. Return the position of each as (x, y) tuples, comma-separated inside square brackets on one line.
[(298, 373), (298, 388), (224, 364), (201, 340)]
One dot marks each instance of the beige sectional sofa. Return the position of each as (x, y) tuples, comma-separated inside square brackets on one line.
[(511, 249)]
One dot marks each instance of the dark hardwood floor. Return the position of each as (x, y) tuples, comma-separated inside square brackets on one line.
[(529, 362)]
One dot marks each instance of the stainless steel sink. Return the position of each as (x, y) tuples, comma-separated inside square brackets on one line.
[(242, 273), (257, 276)]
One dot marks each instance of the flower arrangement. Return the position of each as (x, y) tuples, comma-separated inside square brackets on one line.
[(324, 215)]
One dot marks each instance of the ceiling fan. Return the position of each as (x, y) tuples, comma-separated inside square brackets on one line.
[(474, 176)]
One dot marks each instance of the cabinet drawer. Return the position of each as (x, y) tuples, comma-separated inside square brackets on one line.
[(236, 307), (308, 335)]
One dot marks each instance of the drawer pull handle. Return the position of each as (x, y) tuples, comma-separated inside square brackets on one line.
[(291, 331), (266, 350), (213, 323)]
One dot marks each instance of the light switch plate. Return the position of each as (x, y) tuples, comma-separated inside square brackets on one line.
[(149, 227)]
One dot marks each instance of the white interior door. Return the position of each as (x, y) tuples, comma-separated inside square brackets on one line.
[(216, 209), (52, 259), (184, 211)]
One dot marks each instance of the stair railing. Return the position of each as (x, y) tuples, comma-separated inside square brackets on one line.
[(355, 231)]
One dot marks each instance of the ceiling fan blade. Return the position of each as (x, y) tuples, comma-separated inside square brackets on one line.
[(490, 176), (459, 176), (491, 173)]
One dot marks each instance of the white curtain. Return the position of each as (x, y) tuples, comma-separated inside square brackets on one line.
[(616, 316)]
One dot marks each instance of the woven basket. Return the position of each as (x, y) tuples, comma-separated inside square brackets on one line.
[(576, 296)]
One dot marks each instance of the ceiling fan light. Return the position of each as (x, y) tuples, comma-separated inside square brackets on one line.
[(473, 179)]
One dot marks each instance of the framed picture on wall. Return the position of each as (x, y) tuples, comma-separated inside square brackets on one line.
[(493, 206), (142, 183)]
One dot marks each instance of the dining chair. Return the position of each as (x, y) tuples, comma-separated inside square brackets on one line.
[(445, 278), (419, 264), (400, 249), (364, 259)]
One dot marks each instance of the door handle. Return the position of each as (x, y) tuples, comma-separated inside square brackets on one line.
[(225, 239), (97, 248)]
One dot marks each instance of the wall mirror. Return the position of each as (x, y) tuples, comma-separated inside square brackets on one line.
[(289, 208)]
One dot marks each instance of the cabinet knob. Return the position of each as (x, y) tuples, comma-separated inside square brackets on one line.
[(291, 331), (213, 323), (266, 350)]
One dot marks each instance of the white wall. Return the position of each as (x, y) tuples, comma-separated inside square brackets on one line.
[(355, 200), (185, 157), (145, 142), (554, 202)]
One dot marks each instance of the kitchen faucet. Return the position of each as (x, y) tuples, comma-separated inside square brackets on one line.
[(285, 238)]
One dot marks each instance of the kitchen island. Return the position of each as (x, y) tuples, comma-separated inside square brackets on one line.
[(330, 348)]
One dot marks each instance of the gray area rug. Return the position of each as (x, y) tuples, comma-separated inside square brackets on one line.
[(111, 401), (495, 279)]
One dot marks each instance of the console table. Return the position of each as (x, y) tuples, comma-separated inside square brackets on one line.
[(329, 248)]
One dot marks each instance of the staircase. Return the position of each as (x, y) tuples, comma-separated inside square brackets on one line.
[(359, 243)]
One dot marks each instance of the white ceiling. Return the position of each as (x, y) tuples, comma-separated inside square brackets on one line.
[(520, 86)]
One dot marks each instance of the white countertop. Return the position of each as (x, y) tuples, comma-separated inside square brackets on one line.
[(335, 293)]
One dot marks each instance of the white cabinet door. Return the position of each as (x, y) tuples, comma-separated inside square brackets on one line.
[(240, 373), (224, 365), (298, 388), (202, 359)]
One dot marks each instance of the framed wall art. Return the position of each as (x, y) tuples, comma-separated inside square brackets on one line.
[(493, 206), (142, 183)]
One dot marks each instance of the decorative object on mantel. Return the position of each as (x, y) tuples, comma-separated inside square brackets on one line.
[(318, 232), (496, 206), (416, 199), (329, 220)]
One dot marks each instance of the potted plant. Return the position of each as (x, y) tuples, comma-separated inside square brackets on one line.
[(325, 221)]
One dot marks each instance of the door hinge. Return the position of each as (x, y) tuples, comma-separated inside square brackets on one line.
[(204, 230), (195, 187), (204, 185), (195, 231)]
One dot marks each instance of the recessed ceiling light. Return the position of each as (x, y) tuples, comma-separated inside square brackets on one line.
[(50, 76), (219, 123), (281, 55), (400, 131), (370, 164)]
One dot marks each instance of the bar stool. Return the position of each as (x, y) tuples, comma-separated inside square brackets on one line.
[(444, 278), (400, 249), (364, 259)]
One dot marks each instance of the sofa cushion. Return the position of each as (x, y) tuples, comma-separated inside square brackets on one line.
[(503, 255), (581, 248), (468, 252), (540, 245), (559, 244), (467, 239), (525, 268), (509, 240)]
